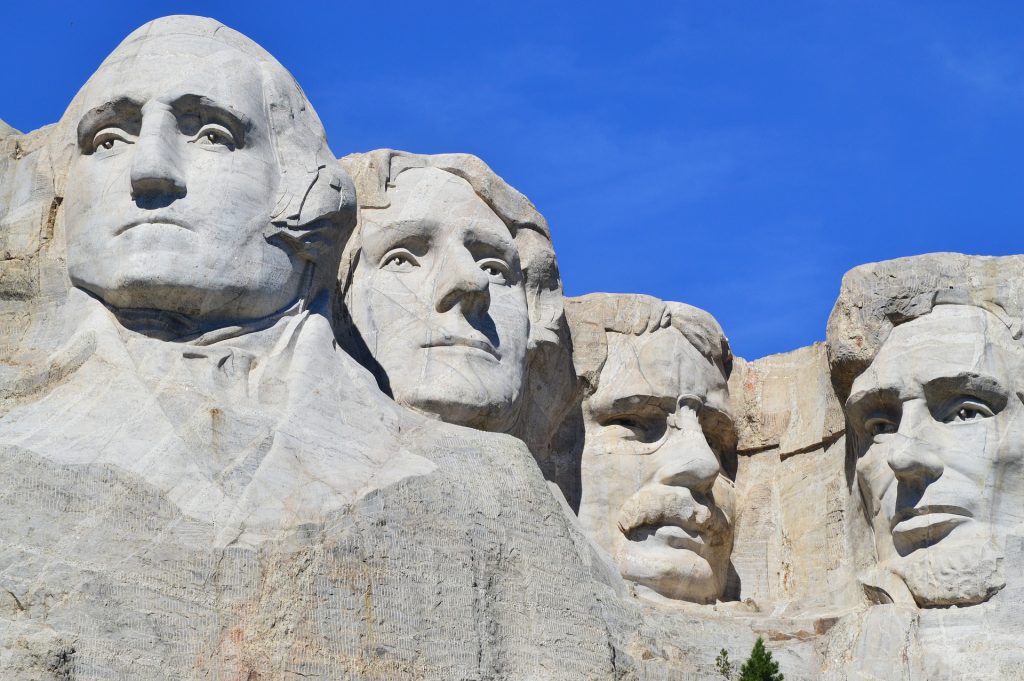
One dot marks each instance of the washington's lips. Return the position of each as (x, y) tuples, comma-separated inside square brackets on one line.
[(462, 341), (151, 220), (922, 526)]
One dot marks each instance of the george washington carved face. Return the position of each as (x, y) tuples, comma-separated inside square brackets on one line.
[(175, 177)]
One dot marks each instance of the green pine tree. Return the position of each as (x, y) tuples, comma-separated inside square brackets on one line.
[(724, 665), (760, 666)]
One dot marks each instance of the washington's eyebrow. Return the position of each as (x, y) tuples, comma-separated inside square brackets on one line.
[(124, 112), (210, 110)]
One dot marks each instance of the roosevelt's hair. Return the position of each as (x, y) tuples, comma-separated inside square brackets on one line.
[(593, 316)]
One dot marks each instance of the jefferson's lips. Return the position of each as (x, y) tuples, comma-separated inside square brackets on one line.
[(461, 341), (151, 221)]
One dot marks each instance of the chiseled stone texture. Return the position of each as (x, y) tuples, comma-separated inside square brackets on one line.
[(196, 485)]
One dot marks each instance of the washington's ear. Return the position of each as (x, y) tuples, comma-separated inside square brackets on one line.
[(325, 194)]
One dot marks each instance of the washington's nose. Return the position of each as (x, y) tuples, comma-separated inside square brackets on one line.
[(689, 462), (461, 282), (156, 165)]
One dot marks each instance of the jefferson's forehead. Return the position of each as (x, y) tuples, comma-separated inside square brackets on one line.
[(952, 340)]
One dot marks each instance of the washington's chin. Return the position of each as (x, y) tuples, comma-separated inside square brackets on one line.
[(672, 573)]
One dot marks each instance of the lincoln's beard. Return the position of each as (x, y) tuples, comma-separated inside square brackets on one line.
[(960, 574)]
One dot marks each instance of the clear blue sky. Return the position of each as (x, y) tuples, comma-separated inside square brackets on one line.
[(736, 156)]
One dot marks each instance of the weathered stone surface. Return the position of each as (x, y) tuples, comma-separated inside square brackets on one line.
[(265, 414), (6, 130)]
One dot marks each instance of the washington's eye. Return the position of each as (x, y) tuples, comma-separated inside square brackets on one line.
[(692, 402), (215, 135), (399, 260), (108, 138), (967, 410), (496, 270), (880, 425)]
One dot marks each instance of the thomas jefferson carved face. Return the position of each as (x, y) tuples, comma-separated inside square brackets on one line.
[(653, 492), (438, 297), (938, 425), (170, 193)]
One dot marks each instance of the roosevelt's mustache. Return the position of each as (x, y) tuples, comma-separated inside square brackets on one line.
[(660, 505)]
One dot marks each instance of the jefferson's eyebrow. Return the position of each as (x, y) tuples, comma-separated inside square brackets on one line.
[(124, 111)]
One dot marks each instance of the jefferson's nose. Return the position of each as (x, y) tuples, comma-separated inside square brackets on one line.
[(688, 460), (914, 453), (461, 282), (156, 164)]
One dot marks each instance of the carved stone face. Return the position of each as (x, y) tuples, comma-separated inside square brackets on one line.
[(438, 298), (172, 186), (939, 431), (652, 490)]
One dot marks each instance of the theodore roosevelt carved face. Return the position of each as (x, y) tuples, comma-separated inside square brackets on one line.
[(653, 492), (438, 297), (938, 427), (177, 172)]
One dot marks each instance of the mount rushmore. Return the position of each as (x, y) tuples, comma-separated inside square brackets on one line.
[(268, 413)]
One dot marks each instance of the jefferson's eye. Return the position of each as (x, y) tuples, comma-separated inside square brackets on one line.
[(496, 270), (880, 425), (967, 410), (399, 260), (215, 135), (108, 138)]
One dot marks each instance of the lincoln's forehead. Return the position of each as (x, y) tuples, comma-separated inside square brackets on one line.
[(952, 340)]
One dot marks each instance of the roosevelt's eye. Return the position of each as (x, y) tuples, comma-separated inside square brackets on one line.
[(968, 409), (399, 260), (108, 138), (880, 425), (636, 427), (497, 271), (212, 134)]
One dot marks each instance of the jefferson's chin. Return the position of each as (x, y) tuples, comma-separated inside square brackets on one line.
[(954, 574)]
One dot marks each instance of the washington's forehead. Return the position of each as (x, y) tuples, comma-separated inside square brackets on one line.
[(220, 73), (950, 341)]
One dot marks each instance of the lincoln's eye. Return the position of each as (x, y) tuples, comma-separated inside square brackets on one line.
[(968, 409), (880, 425)]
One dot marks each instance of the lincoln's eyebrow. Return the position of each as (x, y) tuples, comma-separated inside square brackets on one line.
[(982, 386), (862, 401), (212, 111), (124, 112)]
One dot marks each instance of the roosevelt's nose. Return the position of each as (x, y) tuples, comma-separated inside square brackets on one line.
[(156, 164), (913, 455), (460, 281), (686, 460)]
